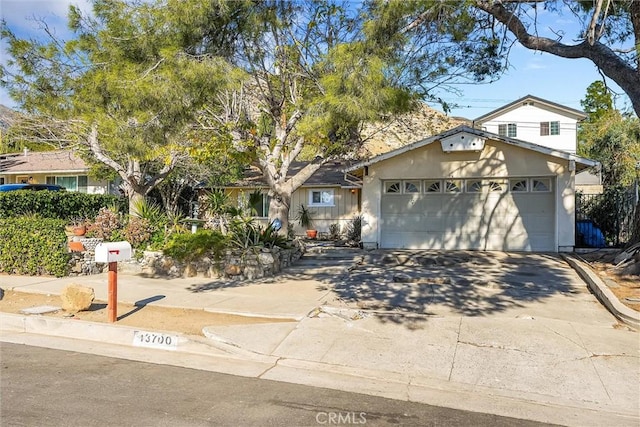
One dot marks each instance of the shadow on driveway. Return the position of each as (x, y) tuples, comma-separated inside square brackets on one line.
[(400, 282)]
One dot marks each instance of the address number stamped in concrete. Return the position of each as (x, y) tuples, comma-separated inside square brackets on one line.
[(155, 340)]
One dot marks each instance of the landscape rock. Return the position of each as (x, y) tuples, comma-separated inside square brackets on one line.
[(77, 298)]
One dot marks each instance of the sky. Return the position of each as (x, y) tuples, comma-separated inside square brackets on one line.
[(546, 76)]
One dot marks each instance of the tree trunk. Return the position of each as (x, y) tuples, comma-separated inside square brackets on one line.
[(279, 207), (635, 227)]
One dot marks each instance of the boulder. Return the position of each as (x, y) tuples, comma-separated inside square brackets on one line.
[(77, 298)]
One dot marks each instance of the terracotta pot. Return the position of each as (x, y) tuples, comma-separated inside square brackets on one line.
[(76, 246), (311, 234)]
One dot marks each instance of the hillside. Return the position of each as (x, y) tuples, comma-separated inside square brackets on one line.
[(407, 128)]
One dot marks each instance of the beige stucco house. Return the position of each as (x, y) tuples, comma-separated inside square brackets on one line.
[(468, 188), (330, 194), (61, 167)]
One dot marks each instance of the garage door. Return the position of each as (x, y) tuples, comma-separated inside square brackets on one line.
[(516, 214)]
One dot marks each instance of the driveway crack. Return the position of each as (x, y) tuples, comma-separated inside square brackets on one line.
[(455, 351)]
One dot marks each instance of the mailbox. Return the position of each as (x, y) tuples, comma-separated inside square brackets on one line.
[(113, 251)]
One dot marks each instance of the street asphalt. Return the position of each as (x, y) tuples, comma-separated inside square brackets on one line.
[(516, 335)]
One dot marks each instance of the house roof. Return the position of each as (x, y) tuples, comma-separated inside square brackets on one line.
[(584, 163), (549, 105), (330, 174), (63, 161)]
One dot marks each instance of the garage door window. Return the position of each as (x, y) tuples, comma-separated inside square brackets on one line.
[(541, 185), (474, 186), (392, 187), (411, 186), (433, 186), (453, 186), (518, 185)]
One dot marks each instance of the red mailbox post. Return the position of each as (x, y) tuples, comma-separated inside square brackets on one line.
[(111, 253)]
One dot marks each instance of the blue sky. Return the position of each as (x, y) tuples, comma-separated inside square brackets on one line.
[(563, 81)]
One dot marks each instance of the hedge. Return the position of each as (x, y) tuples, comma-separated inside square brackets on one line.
[(33, 246), (56, 204)]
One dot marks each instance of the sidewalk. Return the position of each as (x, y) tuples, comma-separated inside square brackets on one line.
[(572, 370)]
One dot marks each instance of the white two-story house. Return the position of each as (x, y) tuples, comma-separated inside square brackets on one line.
[(535, 120), (545, 123)]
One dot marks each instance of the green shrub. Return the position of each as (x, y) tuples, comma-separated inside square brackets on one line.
[(354, 229), (187, 247), (33, 246), (56, 204)]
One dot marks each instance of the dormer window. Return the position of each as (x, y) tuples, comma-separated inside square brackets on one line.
[(549, 128)]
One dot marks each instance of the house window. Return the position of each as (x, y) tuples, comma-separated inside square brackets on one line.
[(541, 185), (321, 197), (518, 185), (392, 187), (259, 204), (549, 128), (509, 130), (71, 183), (433, 186), (453, 186), (412, 186), (1, 180)]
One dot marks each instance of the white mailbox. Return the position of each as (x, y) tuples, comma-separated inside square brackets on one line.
[(113, 251)]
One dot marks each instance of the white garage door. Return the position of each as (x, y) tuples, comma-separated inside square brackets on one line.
[(516, 214)]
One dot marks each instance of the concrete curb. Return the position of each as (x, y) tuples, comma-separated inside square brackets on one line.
[(225, 357), (603, 293), (119, 335)]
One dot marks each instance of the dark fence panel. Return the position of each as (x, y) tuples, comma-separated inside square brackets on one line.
[(605, 220)]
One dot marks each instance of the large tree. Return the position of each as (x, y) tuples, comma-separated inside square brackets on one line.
[(124, 88), (610, 137), (318, 71), (608, 35)]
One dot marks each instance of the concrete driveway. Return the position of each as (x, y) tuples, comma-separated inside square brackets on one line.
[(497, 330), (470, 284)]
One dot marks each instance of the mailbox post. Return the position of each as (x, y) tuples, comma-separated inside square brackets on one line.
[(111, 253)]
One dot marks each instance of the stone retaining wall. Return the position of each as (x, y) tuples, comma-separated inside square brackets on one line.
[(253, 263)]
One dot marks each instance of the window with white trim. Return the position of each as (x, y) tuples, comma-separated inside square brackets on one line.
[(392, 187), (541, 185), (321, 197), (411, 186), (518, 185), (474, 186), (508, 129), (433, 186), (495, 186), (70, 183), (549, 128), (453, 186)]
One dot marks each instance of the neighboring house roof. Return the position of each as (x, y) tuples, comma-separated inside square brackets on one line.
[(330, 174), (538, 102), (482, 134), (63, 161)]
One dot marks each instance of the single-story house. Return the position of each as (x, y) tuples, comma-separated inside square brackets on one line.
[(60, 167), (468, 188), (332, 196)]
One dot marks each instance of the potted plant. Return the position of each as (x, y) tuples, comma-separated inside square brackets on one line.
[(305, 220)]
